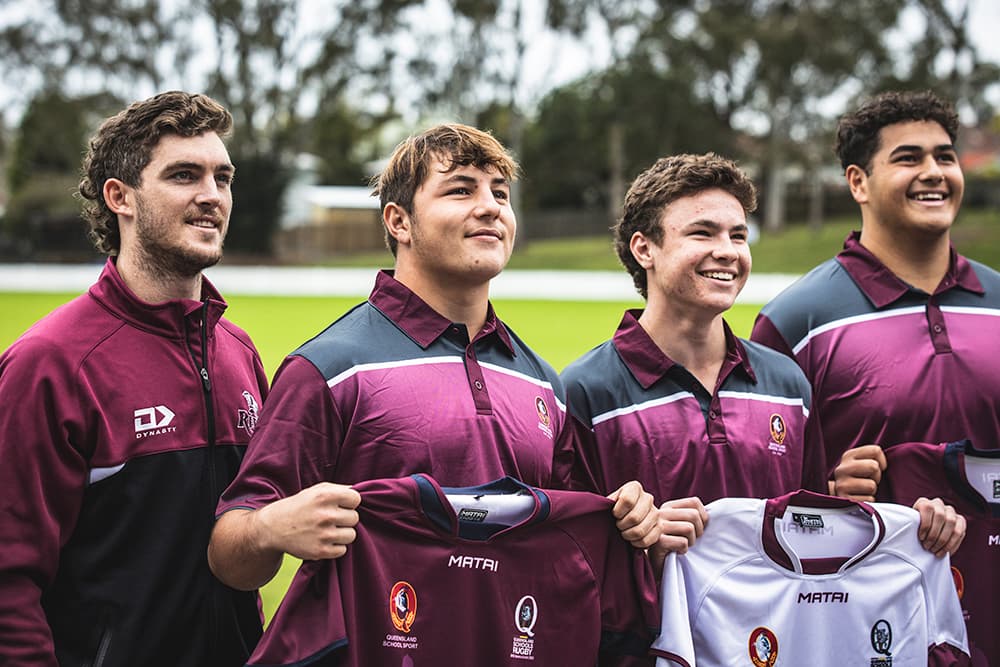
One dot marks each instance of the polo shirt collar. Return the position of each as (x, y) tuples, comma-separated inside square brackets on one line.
[(648, 363), (418, 320), (882, 286)]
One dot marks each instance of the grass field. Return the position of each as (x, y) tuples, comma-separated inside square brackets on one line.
[(558, 330)]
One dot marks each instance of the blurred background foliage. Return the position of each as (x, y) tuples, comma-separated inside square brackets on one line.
[(343, 80)]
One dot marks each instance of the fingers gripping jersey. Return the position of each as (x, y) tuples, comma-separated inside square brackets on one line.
[(500, 574), (807, 579)]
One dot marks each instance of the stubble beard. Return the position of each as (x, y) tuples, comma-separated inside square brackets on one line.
[(161, 257)]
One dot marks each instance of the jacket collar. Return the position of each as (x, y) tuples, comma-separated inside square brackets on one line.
[(166, 319)]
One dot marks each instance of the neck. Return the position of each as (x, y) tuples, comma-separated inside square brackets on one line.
[(921, 261), (156, 286), (696, 342), (457, 301)]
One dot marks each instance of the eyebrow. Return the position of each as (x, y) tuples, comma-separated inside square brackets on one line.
[(914, 148), (463, 178), (185, 164), (715, 226)]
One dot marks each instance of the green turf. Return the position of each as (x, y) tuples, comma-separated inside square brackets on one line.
[(560, 331)]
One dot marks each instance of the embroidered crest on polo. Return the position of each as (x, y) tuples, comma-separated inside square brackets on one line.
[(152, 421), (763, 647), (544, 420), (778, 430), (525, 617), (247, 419)]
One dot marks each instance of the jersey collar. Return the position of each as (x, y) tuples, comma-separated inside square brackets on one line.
[(419, 321), (648, 363), (780, 554), (883, 287)]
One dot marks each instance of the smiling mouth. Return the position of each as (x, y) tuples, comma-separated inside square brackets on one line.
[(929, 196), (202, 223), (719, 275)]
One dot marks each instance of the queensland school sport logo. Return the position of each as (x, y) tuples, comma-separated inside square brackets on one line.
[(544, 419), (402, 606), (778, 430), (763, 647)]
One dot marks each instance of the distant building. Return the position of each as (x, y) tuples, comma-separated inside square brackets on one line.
[(325, 220)]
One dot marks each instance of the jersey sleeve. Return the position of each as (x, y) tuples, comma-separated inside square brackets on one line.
[(629, 606), (946, 625), (294, 446), (42, 480), (766, 333), (675, 645)]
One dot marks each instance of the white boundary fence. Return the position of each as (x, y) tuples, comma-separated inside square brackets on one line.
[(317, 281)]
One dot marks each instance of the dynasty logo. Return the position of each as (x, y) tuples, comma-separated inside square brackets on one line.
[(153, 421)]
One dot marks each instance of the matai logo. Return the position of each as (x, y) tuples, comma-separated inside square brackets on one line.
[(247, 419), (153, 421)]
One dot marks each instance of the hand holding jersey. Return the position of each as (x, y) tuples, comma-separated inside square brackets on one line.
[(636, 515), (857, 477), (315, 523)]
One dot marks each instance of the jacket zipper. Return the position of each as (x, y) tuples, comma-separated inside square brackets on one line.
[(206, 390)]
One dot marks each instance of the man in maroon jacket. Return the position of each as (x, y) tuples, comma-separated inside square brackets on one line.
[(126, 412)]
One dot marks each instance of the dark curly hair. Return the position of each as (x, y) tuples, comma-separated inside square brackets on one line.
[(455, 145), (669, 179), (123, 146), (858, 132)]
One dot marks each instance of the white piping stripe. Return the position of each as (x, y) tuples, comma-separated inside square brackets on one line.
[(857, 319), (638, 407), (97, 474), (360, 368), (971, 310), (527, 378), (764, 398)]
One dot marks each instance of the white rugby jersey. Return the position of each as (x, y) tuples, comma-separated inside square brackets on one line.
[(808, 579)]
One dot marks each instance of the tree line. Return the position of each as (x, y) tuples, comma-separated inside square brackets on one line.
[(760, 80)]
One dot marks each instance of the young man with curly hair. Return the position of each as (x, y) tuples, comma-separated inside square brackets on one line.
[(127, 412)]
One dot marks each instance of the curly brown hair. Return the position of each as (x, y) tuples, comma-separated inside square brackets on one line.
[(453, 144), (669, 179), (858, 133), (123, 146)]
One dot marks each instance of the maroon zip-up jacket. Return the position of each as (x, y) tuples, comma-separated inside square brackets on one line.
[(121, 422)]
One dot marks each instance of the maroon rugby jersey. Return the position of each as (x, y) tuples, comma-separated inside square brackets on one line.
[(499, 574), (969, 480)]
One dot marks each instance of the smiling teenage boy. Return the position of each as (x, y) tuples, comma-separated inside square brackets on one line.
[(897, 333), (675, 399)]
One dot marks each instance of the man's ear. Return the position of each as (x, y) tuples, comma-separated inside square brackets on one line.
[(641, 248), (857, 181), (117, 196), (397, 223)]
